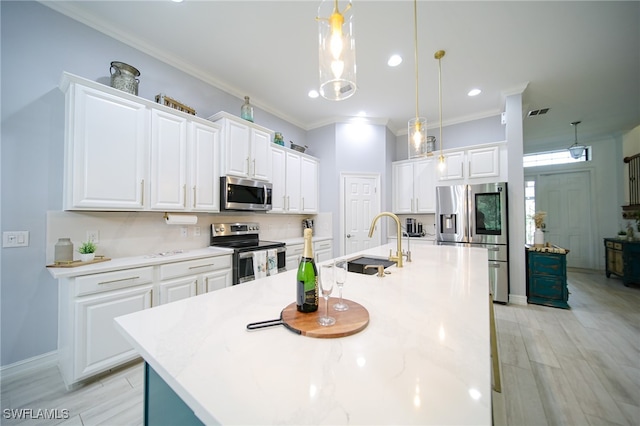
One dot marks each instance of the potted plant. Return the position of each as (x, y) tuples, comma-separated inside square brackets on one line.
[(87, 251)]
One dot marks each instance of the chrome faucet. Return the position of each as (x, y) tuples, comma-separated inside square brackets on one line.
[(398, 257)]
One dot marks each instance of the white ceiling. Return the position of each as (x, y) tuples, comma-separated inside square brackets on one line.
[(580, 59)]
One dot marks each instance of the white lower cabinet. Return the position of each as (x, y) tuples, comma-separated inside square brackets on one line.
[(294, 251), (216, 280), (323, 250), (89, 342), (178, 289), (99, 345)]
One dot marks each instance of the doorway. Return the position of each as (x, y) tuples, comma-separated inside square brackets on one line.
[(359, 204), (566, 197)]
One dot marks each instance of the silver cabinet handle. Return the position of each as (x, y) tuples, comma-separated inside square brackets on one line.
[(184, 196), (194, 197), (254, 167), (118, 280), (142, 192), (202, 266)]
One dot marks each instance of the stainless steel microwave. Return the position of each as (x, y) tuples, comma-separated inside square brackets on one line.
[(244, 194)]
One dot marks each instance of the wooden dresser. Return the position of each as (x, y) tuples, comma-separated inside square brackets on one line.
[(547, 278), (623, 259)]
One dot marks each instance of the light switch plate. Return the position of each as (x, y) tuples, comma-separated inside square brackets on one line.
[(15, 239)]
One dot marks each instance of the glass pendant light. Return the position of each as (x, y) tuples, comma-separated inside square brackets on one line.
[(417, 127), (337, 50), (576, 150)]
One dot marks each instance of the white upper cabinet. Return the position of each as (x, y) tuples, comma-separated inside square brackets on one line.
[(203, 149), (106, 150), (168, 183), (309, 185), (414, 184), (245, 147), (123, 152), (295, 182), (478, 164)]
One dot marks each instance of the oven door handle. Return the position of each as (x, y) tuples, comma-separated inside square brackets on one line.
[(245, 255), (264, 187)]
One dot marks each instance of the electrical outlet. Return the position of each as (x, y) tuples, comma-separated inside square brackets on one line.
[(196, 231), (93, 236), (183, 231)]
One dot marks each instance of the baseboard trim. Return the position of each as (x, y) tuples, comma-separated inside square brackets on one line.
[(517, 300), (38, 362)]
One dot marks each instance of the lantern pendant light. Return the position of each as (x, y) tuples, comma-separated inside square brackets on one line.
[(337, 50), (576, 150), (417, 127)]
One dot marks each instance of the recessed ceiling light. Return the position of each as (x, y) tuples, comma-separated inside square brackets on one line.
[(313, 93), (394, 60), (177, 1), (474, 92), (362, 114)]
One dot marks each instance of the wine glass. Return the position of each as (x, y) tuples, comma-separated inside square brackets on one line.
[(326, 278), (341, 277)]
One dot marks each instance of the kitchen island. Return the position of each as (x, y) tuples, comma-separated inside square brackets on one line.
[(424, 357)]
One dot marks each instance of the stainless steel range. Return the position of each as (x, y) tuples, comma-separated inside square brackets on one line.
[(247, 247)]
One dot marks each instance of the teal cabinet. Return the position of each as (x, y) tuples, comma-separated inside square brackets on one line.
[(547, 279), (623, 259), (162, 406)]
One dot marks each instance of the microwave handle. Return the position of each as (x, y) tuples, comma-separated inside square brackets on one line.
[(264, 187)]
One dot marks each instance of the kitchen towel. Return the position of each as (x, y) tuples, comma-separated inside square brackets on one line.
[(259, 264), (272, 262)]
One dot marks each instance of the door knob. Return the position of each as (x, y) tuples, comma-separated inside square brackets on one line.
[(348, 235)]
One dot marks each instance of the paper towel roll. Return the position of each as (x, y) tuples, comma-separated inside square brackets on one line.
[(180, 219)]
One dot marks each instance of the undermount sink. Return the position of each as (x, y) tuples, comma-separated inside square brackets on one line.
[(357, 264)]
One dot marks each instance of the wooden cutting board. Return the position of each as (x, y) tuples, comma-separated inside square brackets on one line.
[(76, 263), (348, 322)]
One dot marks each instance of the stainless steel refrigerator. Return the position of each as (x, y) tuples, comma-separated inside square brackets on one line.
[(477, 216)]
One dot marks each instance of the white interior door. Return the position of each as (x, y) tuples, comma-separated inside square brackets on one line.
[(361, 203), (566, 197)]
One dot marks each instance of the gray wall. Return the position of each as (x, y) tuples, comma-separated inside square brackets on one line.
[(38, 44), (351, 148)]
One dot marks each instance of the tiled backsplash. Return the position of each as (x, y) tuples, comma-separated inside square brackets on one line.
[(123, 234)]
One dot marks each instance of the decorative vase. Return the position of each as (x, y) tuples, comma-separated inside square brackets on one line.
[(538, 238), (87, 257), (63, 252), (246, 110)]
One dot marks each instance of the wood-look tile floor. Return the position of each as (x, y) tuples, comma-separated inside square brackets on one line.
[(558, 367)]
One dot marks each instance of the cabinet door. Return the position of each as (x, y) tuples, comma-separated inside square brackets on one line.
[(483, 162), (278, 180), (205, 168), (309, 185), (178, 289), (424, 186), (454, 166), (294, 251), (294, 183), (168, 180), (260, 158), (217, 280), (403, 187), (237, 148), (99, 345), (323, 250), (106, 151)]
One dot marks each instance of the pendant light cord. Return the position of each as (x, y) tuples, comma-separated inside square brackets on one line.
[(439, 55), (415, 41)]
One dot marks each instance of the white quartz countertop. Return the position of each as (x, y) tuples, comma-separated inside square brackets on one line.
[(138, 261), (424, 358)]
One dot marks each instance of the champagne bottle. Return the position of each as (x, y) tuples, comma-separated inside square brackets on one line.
[(307, 287)]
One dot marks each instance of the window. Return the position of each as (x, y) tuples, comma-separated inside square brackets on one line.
[(530, 209), (554, 157)]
